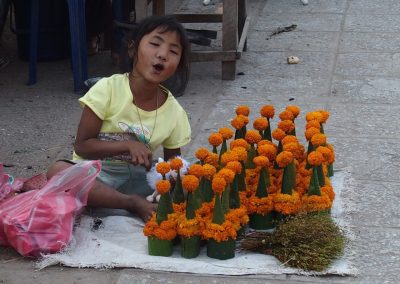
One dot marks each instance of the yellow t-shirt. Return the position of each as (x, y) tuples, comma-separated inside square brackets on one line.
[(112, 101)]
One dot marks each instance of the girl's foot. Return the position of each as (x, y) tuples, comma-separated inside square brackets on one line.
[(141, 207)]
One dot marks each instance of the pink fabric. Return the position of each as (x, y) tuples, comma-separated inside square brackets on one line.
[(41, 221)]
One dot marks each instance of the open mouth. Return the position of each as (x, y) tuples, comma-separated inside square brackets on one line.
[(159, 67)]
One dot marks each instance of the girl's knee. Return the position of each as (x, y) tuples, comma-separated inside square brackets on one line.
[(56, 168)]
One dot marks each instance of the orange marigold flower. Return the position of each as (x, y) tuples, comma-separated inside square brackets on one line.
[(209, 171), (295, 110), (238, 122), (315, 158), (241, 152), (176, 164), (260, 123), (284, 158), (163, 168), (326, 152), (212, 159), (239, 143), (289, 139), (234, 166), (264, 142), (316, 203), (310, 132), (218, 184), (325, 115), (188, 228), (245, 119), (313, 123), (166, 230), (163, 186), (226, 133), (190, 182), (252, 136), (196, 170), (330, 146), (268, 151), (229, 156), (261, 161), (314, 115), (286, 115), (291, 147), (227, 174), (278, 134), (267, 111), (287, 204), (286, 125), (243, 110), (202, 153), (328, 190), (261, 206), (318, 139), (215, 139)]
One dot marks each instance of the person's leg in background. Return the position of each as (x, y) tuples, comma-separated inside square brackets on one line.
[(98, 20), (122, 12)]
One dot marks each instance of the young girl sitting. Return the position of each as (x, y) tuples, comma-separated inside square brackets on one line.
[(127, 116)]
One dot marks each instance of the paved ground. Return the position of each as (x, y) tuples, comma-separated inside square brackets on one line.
[(349, 64)]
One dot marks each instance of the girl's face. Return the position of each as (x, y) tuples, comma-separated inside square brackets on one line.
[(159, 54)]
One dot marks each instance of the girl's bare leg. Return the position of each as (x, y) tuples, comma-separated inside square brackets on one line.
[(102, 195)]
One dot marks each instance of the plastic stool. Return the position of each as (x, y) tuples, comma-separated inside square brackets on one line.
[(76, 9)]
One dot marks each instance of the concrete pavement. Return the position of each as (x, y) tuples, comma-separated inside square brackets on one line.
[(349, 65)]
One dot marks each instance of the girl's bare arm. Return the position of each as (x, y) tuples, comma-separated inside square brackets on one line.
[(89, 147)]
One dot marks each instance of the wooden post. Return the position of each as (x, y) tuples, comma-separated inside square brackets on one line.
[(229, 36), (158, 7), (140, 9)]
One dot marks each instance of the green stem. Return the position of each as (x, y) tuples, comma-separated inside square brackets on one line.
[(218, 214)]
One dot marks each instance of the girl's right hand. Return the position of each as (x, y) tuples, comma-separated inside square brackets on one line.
[(141, 154)]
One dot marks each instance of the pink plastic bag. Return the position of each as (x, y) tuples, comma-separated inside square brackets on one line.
[(8, 184), (41, 221)]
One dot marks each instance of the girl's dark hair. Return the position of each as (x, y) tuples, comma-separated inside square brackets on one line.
[(178, 82)]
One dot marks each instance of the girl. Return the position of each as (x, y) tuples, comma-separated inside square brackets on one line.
[(127, 116)]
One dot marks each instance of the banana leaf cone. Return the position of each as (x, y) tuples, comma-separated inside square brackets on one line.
[(198, 196), (250, 156), (223, 149), (310, 148), (234, 199), (288, 185), (280, 148), (242, 178), (159, 247), (321, 176), (239, 134), (259, 221), (314, 187), (215, 150), (177, 194), (221, 250), (224, 249), (206, 189), (330, 170), (267, 132), (225, 199), (190, 246), (164, 208), (289, 179)]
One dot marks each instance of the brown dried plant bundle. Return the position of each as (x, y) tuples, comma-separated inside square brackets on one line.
[(305, 241)]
